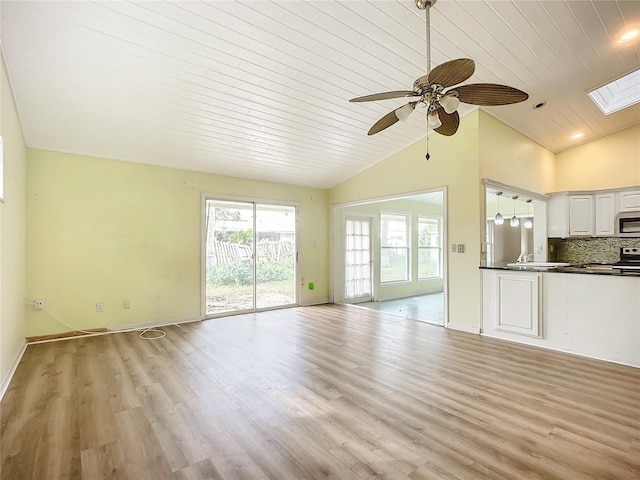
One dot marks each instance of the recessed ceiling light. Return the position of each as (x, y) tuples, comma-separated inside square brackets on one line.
[(618, 94), (629, 35), (576, 136), (540, 105)]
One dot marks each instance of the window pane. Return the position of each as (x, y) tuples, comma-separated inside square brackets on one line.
[(393, 230), (430, 248), (428, 262), (428, 232), (393, 264)]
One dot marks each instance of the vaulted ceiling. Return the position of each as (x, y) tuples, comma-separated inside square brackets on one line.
[(260, 89)]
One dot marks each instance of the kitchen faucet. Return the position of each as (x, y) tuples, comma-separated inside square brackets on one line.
[(522, 258)]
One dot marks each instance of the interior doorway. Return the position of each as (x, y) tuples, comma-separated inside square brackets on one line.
[(408, 261), (250, 256)]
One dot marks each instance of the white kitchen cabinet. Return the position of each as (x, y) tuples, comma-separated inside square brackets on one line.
[(581, 215), (558, 216), (605, 204), (573, 316), (570, 215), (630, 201), (517, 308)]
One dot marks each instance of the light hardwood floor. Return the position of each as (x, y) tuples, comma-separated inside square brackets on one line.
[(316, 392)]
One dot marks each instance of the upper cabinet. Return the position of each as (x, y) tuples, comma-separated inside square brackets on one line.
[(630, 201), (570, 215), (558, 216), (587, 214), (605, 205), (581, 217)]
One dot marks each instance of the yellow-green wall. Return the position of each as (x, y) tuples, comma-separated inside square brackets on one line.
[(103, 231), (509, 157), (454, 163), (12, 234), (609, 162)]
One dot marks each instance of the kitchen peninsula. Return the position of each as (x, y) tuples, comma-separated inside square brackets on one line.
[(586, 311)]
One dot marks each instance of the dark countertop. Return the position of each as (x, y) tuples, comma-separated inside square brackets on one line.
[(580, 269)]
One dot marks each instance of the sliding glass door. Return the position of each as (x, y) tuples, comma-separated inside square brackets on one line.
[(250, 256)]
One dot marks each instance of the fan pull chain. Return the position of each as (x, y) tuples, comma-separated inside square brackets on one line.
[(427, 156)]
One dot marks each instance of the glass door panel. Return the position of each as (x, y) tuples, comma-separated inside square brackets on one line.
[(358, 275), (275, 255), (229, 257)]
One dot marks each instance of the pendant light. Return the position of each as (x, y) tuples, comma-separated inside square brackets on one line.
[(528, 222), (515, 221), (499, 219)]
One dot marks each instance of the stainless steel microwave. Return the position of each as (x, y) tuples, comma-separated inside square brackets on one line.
[(628, 224)]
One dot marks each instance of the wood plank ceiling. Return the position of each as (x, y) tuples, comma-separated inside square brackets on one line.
[(260, 89)]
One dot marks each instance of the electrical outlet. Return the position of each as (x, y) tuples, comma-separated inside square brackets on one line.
[(126, 303), (39, 304), (454, 247), (99, 307), (461, 248)]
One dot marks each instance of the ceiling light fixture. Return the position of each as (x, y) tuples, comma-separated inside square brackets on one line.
[(576, 136), (629, 35), (403, 112), (515, 221), (434, 121), (499, 219)]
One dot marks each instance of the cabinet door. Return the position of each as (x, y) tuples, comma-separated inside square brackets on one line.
[(630, 201), (518, 303), (558, 216), (605, 214), (581, 215)]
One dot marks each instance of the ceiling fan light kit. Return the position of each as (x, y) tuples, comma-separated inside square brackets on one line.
[(437, 91)]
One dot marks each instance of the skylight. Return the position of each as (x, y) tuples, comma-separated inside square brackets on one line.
[(619, 94)]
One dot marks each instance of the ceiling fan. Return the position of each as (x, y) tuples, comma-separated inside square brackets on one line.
[(436, 91)]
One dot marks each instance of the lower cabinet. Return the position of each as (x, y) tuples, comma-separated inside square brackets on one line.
[(517, 308), (587, 314)]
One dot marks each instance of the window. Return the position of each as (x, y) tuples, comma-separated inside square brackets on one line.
[(394, 248), (429, 247)]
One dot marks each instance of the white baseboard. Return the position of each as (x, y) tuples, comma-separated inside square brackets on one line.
[(315, 302), (463, 328), (547, 347), (4, 386)]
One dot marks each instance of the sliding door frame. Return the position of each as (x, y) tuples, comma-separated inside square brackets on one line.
[(204, 197)]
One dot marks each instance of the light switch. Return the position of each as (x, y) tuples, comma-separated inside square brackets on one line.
[(460, 248), (454, 247)]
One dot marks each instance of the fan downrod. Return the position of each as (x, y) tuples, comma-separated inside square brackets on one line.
[(424, 4)]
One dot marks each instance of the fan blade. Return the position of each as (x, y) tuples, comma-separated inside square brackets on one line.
[(452, 72), (489, 94), (385, 96), (450, 122), (385, 122)]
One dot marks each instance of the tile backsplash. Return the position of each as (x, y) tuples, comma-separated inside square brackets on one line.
[(596, 250)]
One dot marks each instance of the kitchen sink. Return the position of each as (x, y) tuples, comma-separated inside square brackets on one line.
[(539, 265)]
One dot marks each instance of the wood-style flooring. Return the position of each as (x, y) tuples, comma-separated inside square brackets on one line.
[(425, 308), (313, 393)]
